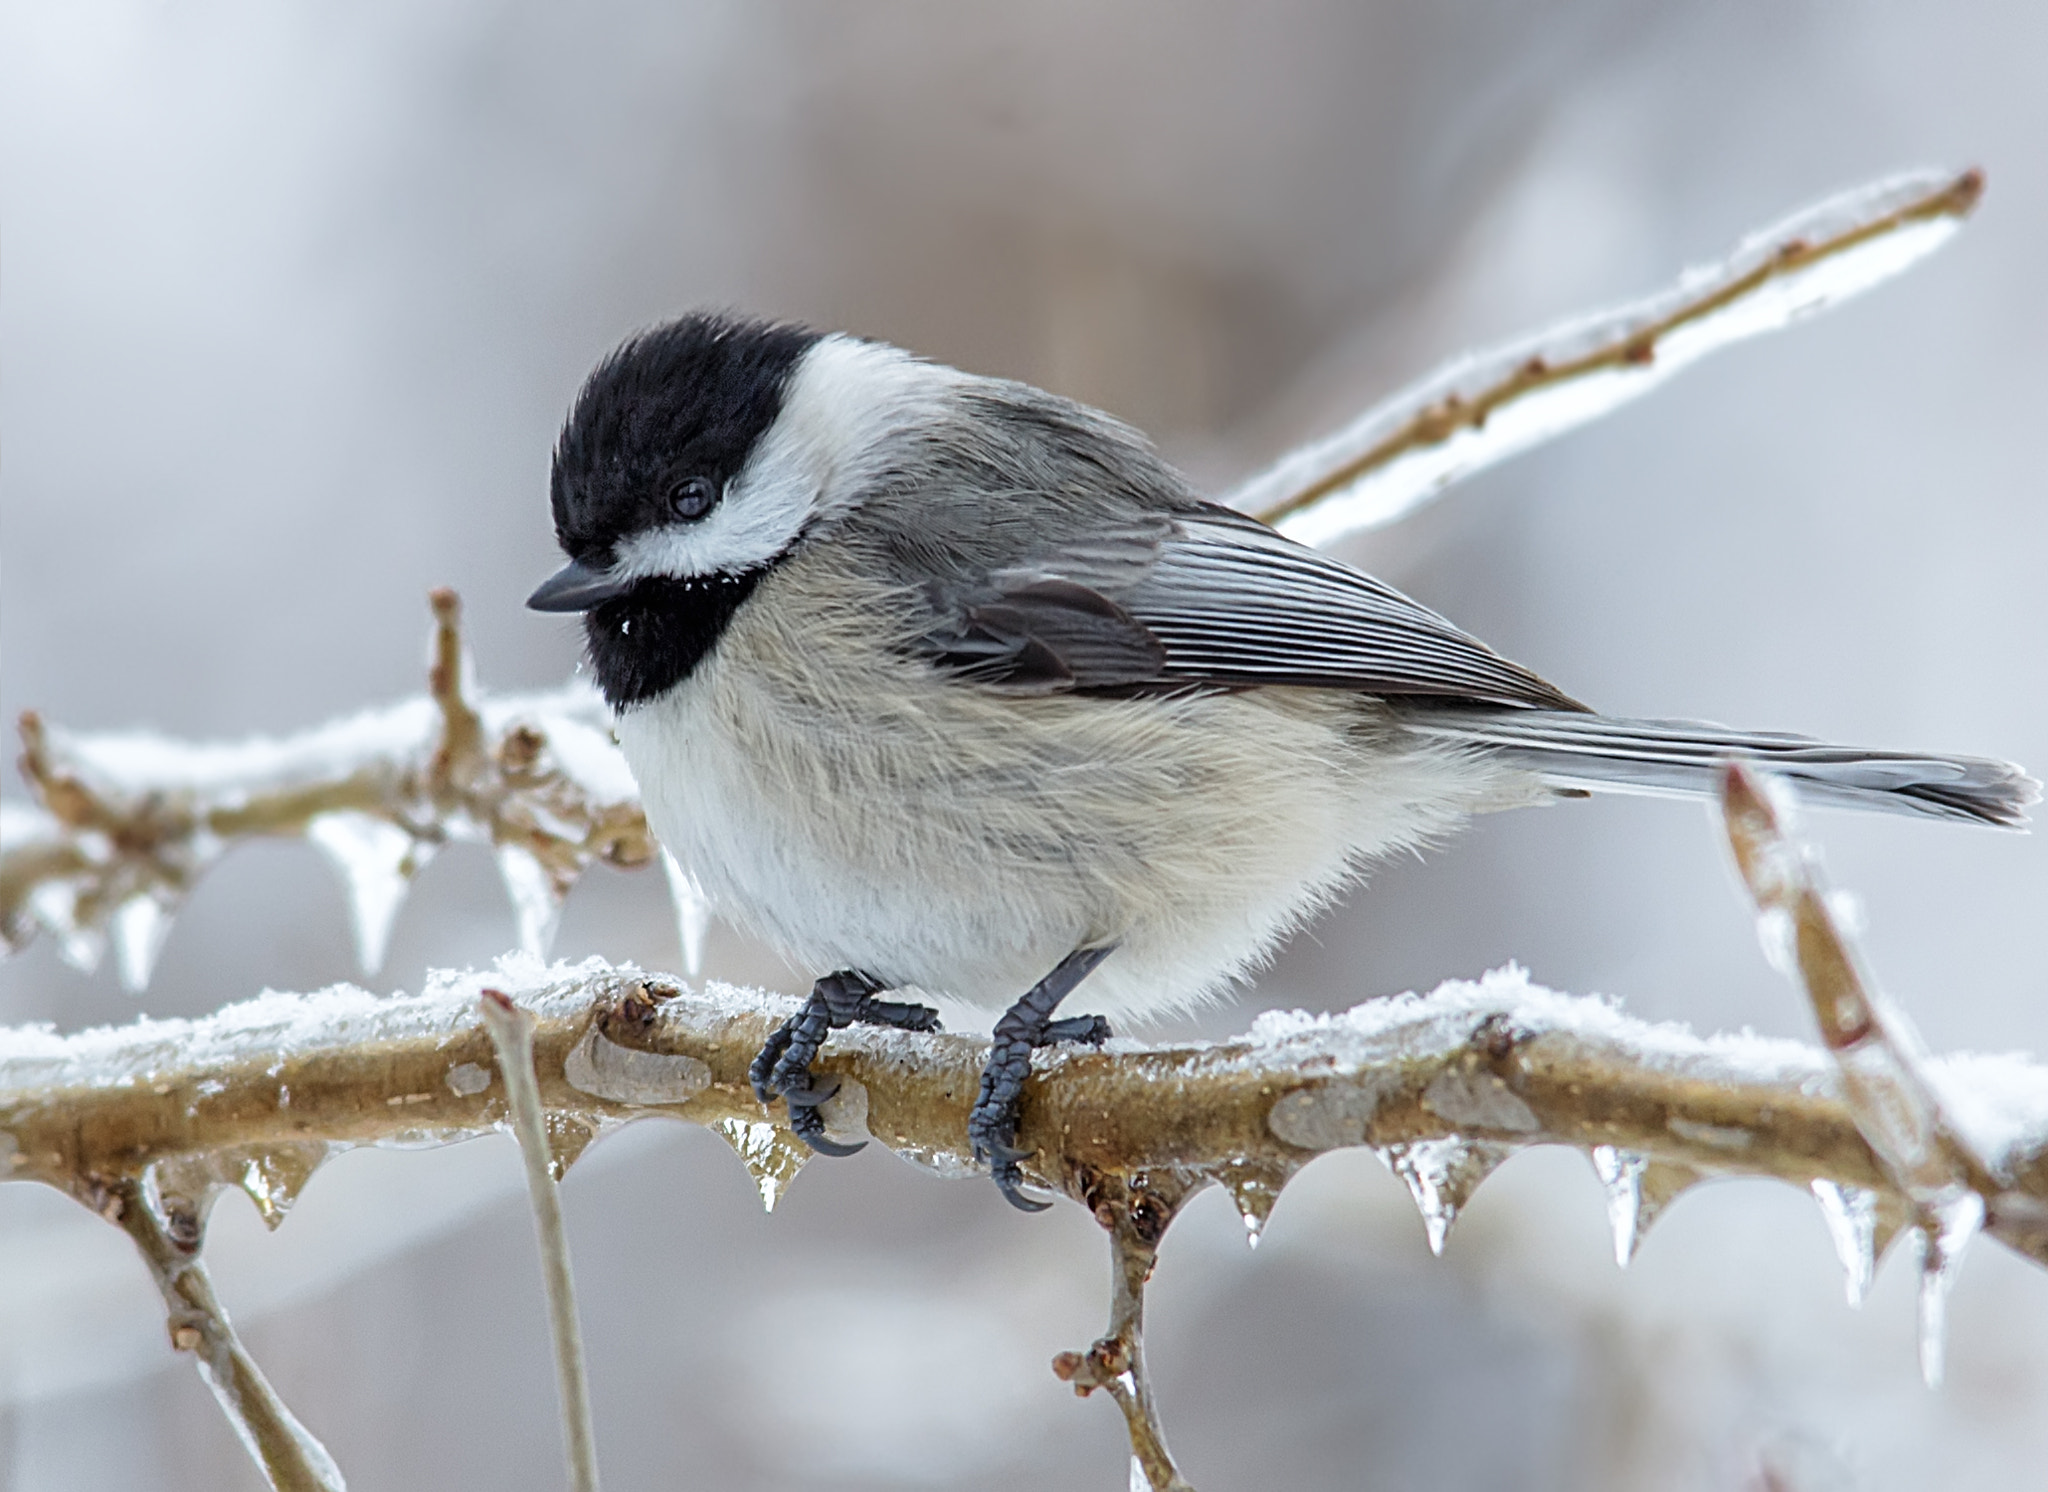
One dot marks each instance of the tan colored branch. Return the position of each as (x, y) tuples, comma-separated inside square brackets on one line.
[(1883, 1069), (1486, 407), (1499, 1061), (128, 823), (166, 1233)]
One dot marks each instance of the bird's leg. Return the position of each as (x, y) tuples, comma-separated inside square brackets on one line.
[(784, 1065), (992, 1127)]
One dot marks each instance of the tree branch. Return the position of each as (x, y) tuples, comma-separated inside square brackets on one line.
[(1483, 408)]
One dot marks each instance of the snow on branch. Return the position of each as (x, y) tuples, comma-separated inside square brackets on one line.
[(128, 822), (1485, 407), (1443, 1087)]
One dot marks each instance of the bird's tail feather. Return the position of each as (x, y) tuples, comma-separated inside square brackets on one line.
[(1681, 758)]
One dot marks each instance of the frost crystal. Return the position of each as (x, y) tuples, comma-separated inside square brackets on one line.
[(1441, 1177), (377, 861)]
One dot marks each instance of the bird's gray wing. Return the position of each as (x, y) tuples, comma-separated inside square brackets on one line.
[(1207, 596)]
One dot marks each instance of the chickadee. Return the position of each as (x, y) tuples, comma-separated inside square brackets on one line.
[(952, 686)]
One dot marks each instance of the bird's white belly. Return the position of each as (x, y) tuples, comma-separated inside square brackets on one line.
[(959, 841)]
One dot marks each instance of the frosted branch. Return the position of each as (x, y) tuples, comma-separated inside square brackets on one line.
[(1485, 407), (511, 1031), (1442, 1086), (128, 822), (1885, 1077)]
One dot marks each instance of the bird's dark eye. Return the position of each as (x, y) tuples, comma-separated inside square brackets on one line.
[(693, 497)]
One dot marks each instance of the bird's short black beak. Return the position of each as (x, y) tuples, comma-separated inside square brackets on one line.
[(576, 587)]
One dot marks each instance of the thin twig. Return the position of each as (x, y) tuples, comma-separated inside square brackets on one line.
[(1136, 1218), (512, 1034), (1486, 407), (1884, 1079), (284, 1450)]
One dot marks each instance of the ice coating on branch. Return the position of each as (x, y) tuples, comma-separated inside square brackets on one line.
[(693, 913), (1851, 1215), (1379, 1031), (273, 1024), (377, 861), (1483, 408)]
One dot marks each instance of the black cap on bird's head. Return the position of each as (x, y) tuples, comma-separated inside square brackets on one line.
[(659, 430), (665, 541)]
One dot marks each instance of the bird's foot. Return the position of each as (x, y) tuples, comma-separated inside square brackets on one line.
[(1026, 1026), (783, 1065)]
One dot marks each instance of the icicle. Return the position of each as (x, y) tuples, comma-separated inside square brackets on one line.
[(1254, 1188), (693, 913), (1638, 1190), (140, 925), (568, 1138), (536, 897), (377, 861), (1851, 1215), (1441, 1177), (81, 942), (771, 1156), (1139, 1481), (1945, 1233), (274, 1178)]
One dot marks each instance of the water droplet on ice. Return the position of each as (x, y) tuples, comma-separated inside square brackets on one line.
[(377, 861), (693, 913), (1851, 1215), (1254, 1188), (568, 1138), (1945, 1233), (273, 1178), (140, 925), (536, 897), (1441, 1177), (771, 1155)]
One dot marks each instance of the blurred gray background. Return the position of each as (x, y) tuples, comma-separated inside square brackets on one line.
[(291, 303)]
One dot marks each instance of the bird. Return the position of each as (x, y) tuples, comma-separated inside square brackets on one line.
[(950, 687)]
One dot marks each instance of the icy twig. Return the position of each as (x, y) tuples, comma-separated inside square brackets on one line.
[(1885, 1082), (168, 1240), (127, 823), (1135, 1213), (512, 1034), (1485, 407)]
